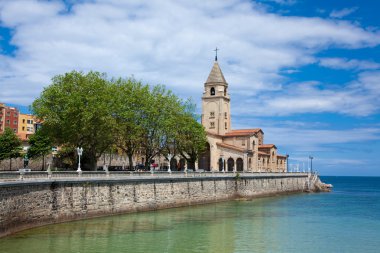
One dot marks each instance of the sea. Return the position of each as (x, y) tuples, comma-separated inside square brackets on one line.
[(346, 220)]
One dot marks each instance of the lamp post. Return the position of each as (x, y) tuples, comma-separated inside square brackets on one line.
[(222, 161), (287, 162), (171, 148), (311, 163), (170, 156), (79, 152)]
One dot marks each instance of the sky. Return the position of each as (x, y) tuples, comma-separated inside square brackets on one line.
[(307, 72)]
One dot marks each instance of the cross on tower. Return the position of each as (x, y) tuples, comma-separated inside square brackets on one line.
[(216, 53)]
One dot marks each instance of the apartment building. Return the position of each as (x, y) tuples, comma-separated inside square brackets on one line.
[(8, 118)]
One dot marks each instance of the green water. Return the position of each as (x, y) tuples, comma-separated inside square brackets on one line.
[(346, 220)]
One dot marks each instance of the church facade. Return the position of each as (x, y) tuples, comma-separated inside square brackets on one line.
[(230, 149)]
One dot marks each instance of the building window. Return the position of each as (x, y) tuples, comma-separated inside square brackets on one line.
[(8, 114), (23, 128), (15, 130), (29, 121), (15, 115), (212, 91), (225, 91), (8, 122), (212, 124), (212, 115), (15, 122), (23, 121), (225, 115), (225, 125)]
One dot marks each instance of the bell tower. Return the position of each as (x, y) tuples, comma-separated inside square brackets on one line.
[(216, 116)]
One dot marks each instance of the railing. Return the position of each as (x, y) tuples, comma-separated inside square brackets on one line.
[(58, 175)]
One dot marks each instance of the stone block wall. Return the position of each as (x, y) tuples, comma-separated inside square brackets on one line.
[(34, 203)]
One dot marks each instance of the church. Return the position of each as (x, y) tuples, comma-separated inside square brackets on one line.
[(232, 149)]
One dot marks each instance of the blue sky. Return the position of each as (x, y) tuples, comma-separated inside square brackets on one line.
[(306, 72)]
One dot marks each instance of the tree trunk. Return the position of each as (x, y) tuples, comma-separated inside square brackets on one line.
[(130, 161), (89, 161), (190, 165)]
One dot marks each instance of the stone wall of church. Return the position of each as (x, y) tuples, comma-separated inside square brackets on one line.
[(29, 204)]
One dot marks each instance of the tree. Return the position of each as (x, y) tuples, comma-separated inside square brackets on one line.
[(130, 105), (10, 146), (161, 108), (75, 110), (190, 136), (40, 145)]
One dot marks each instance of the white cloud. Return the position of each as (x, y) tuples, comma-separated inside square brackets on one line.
[(171, 42), (343, 12), (358, 98), (282, 2), (343, 63)]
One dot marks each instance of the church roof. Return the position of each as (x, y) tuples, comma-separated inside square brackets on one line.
[(263, 153), (243, 132), (282, 156), (225, 145), (216, 75), (265, 146)]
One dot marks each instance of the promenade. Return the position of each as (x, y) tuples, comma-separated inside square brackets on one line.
[(40, 176)]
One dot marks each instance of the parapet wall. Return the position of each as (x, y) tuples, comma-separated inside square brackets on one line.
[(26, 204)]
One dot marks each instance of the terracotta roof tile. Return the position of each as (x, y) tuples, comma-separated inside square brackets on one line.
[(243, 132), (224, 145), (265, 146)]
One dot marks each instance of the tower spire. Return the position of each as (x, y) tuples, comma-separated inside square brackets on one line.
[(216, 53)]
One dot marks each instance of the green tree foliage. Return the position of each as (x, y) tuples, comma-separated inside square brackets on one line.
[(158, 121), (39, 146), (190, 136), (89, 111), (10, 146), (129, 107), (76, 112)]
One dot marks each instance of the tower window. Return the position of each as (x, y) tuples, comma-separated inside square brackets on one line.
[(225, 115), (212, 124), (225, 125), (225, 91), (212, 114), (212, 91)]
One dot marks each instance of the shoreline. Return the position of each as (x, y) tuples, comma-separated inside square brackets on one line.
[(35, 203)]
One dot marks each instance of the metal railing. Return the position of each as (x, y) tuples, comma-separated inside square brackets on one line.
[(57, 175)]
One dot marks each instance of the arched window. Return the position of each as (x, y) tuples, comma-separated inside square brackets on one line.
[(239, 164), (212, 91), (230, 164)]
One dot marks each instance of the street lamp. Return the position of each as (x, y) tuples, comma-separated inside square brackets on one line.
[(79, 152), (170, 156), (311, 163), (287, 162)]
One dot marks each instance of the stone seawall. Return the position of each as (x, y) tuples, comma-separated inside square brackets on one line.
[(27, 204)]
